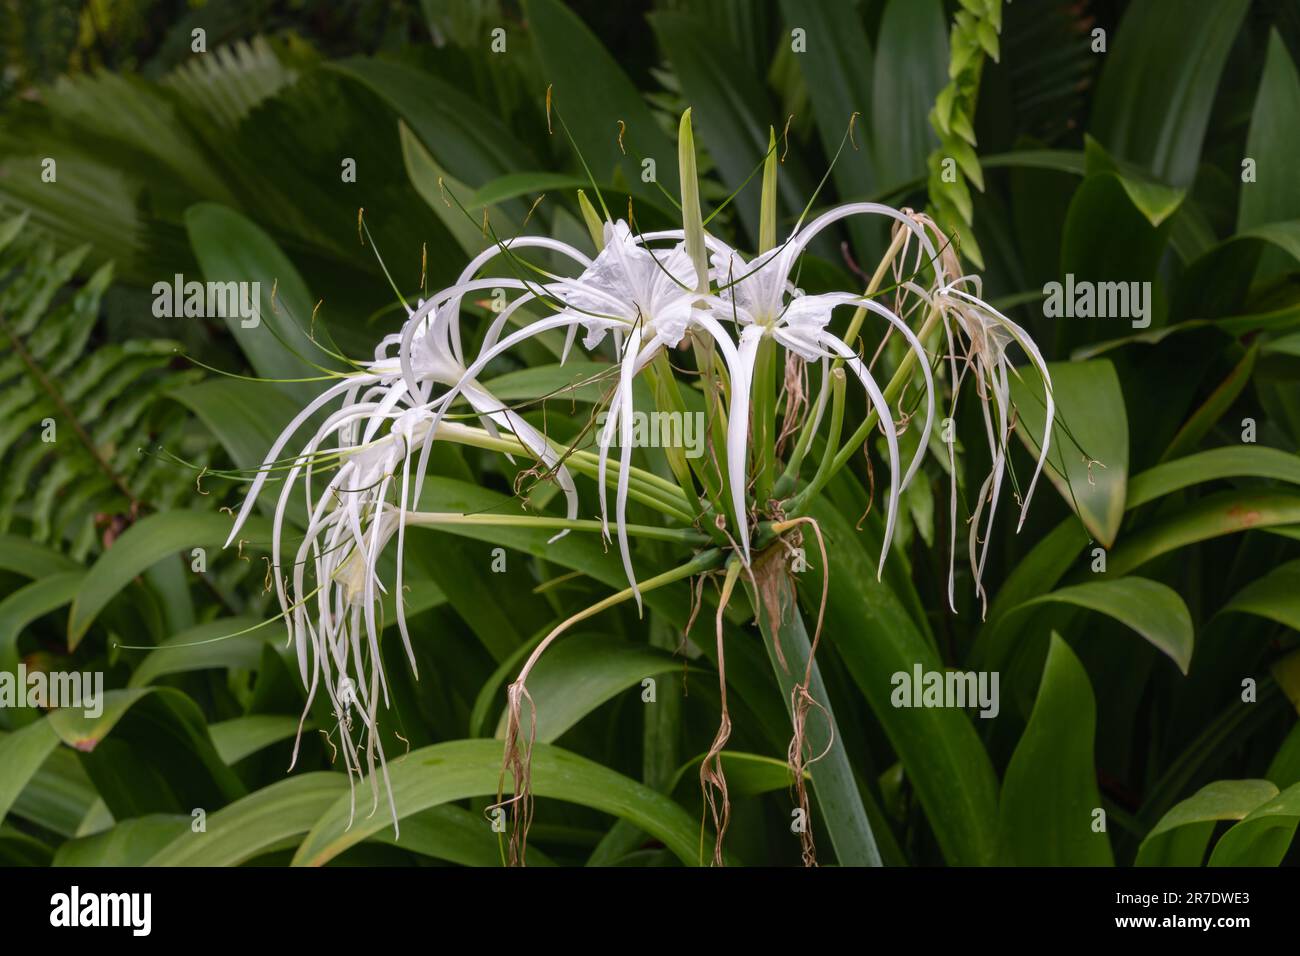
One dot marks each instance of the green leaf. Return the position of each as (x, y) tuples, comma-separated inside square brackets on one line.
[(1106, 238), (449, 833), (272, 818), (1213, 408), (246, 417), (1156, 201), (31, 558), (239, 737), (1091, 423), (1230, 512), (579, 674), (59, 797), (149, 540), (729, 106), (197, 649), (472, 142), (1276, 596), (1158, 86), (129, 843), (838, 69), (1152, 609), (514, 185), (232, 248), (748, 775), (459, 769), (1049, 794), (1182, 835), (1263, 837), (148, 750), (433, 183), (593, 93), (1273, 142), (28, 604), (910, 70), (21, 754)]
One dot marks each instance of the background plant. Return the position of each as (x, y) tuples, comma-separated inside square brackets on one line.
[(1122, 165)]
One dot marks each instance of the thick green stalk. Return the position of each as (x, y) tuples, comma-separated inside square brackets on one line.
[(763, 420), (842, 815)]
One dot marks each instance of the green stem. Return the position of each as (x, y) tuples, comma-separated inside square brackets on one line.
[(643, 486), (704, 561), (686, 536), (891, 393), (790, 476), (837, 428)]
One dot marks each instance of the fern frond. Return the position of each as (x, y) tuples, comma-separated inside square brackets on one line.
[(74, 418)]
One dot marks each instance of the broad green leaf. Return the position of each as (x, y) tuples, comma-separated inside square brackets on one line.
[(1088, 458), (1107, 239), (514, 185), (149, 540), (1263, 837), (29, 603), (837, 67), (459, 769), (1049, 794), (940, 750), (239, 737), (911, 67), (1230, 512), (592, 93), (730, 111), (748, 775), (31, 558), (1158, 85), (1213, 408), (472, 142), (1284, 770), (1275, 596), (129, 843), (148, 750), (1156, 201), (577, 675), (1152, 609), (232, 248), (272, 818), (1182, 835), (246, 417), (215, 644), (457, 836), (1273, 142), (21, 755), (59, 796), (441, 191)]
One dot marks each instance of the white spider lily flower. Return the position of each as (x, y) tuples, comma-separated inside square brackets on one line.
[(351, 521), (763, 301), (979, 336), (647, 298)]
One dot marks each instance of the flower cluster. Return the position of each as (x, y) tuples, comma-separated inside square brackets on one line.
[(362, 469)]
